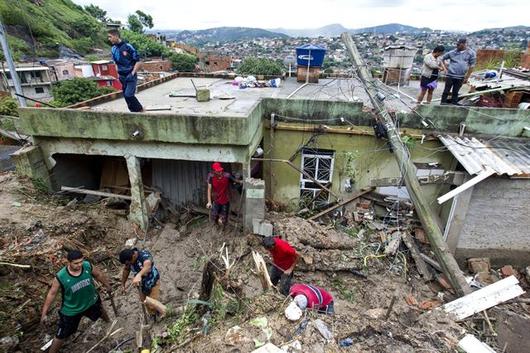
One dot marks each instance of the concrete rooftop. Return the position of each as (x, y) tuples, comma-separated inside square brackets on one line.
[(229, 100)]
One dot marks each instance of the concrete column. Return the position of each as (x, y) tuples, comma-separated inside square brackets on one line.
[(138, 209), (254, 202), (29, 161), (457, 217)]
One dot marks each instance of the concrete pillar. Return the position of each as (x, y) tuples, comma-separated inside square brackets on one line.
[(457, 217), (29, 161), (138, 209), (254, 202)]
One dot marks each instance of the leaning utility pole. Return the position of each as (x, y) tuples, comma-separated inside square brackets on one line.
[(11, 65), (408, 170)]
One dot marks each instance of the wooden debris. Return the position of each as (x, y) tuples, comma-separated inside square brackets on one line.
[(431, 262), (415, 254), (94, 192), (470, 344), (155, 304), (261, 268), (340, 204), (484, 298), (14, 265)]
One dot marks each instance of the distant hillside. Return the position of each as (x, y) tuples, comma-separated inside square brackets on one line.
[(45, 28), (505, 30), (391, 28), (333, 30), (224, 34)]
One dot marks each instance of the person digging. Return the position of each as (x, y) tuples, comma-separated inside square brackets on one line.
[(79, 297), (284, 259), (146, 277), (307, 296)]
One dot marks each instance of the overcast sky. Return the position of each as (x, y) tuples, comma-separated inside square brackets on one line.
[(466, 15)]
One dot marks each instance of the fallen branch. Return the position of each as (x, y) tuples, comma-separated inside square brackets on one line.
[(108, 335), (431, 262), (14, 265)]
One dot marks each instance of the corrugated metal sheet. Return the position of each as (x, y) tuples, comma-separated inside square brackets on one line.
[(182, 182), (504, 156)]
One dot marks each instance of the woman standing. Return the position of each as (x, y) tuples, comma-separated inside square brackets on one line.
[(429, 73)]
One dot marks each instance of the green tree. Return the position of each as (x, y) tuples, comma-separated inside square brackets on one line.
[(145, 19), (260, 66), (76, 90), (96, 12), (134, 24)]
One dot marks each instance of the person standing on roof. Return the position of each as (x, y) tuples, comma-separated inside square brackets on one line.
[(308, 296), (284, 259), (79, 297), (128, 62), (146, 274), (461, 63), (219, 191), (429, 73)]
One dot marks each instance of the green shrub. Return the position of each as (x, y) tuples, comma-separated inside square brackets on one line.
[(75, 90), (8, 106), (260, 66), (183, 62)]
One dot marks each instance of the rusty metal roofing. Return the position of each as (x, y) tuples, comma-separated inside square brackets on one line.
[(504, 156)]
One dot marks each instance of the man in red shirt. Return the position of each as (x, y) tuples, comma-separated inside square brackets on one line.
[(219, 185), (284, 259), (312, 297)]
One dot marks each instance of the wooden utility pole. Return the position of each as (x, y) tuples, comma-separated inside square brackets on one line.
[(408, 171), (11, 65)]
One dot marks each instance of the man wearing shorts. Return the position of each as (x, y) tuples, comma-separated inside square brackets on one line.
[(219, 190), (79, 297), (429, 73)]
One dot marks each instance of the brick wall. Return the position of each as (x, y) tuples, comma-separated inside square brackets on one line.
[(214, 63), (156, 66)]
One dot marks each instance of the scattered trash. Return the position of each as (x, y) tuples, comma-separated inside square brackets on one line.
[(346, 342), (293, 312), (323, 329)]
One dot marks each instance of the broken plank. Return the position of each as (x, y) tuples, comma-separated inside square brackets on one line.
[(477, 179), (484, 298), (340, 204), (94, 192), (421, 266), (470, 344)]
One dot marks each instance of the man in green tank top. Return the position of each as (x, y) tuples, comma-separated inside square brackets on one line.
[(79, 296)]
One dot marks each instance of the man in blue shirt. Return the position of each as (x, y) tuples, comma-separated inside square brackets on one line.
[(146, 274), (128, 62), (461, 63)]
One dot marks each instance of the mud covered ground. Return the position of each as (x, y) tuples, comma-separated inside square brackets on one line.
[(36, 230)]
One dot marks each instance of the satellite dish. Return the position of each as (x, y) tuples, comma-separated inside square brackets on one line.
[(289, 60)]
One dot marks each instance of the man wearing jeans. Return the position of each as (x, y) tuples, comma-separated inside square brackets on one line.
[(461, 63), (284, 259), (128, 62)]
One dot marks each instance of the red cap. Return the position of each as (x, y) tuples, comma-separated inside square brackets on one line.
[(217, 167)]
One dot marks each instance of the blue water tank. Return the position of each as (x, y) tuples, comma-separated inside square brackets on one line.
[(310, 55)]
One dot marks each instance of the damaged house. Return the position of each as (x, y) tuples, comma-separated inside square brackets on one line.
[(311, 145)]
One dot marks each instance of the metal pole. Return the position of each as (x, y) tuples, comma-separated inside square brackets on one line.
[(408, 170), (11, 64)]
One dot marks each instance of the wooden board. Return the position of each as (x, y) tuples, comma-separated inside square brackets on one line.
[(470, 344), (484, 298)]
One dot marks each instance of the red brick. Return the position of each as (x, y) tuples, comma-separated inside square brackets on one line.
[(508, 271), (477, 265), (444, 282), (420, 236)]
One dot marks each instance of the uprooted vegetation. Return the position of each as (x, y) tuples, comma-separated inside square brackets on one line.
[(209, 281)]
